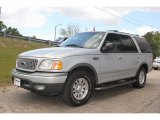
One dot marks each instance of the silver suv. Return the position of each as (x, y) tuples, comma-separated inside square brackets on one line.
[(86, 62)]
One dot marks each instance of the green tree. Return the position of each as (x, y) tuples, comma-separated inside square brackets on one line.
[(3, 27), (154, 40), (13, 31), (34, 36)]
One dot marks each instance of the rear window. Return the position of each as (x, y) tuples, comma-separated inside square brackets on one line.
[(128, 45), (144, 45)]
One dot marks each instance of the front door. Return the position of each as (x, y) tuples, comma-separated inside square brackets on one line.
[(119, 62)]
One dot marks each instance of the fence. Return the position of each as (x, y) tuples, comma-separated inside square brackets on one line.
[(27, 38)]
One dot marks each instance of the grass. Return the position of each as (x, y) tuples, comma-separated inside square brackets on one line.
[(9, 49)]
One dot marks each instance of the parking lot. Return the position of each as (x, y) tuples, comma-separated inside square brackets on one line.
[(117, 100)]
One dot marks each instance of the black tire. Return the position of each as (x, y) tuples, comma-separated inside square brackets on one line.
[(155, 68), (68, 92), (139, 84)]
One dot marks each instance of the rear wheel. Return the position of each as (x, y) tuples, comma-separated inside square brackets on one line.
[(78, 88), (140, 78)]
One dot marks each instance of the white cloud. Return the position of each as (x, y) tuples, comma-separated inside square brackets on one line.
[(33, 17), (70, 3), (92, 13), (151, 9), (144, 29), (23, 17), (109, 15), (36, 17)]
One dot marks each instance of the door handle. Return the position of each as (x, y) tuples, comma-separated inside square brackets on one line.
[(119, 57), (138, 59), (95, 58)]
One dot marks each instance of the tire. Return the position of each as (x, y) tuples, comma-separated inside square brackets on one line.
[(140, 78), (78, 88), (155, 68)]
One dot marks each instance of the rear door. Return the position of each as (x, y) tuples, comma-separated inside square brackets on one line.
[(131, 57)]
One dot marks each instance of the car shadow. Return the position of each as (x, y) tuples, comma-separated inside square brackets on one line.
[(49, 103), (104, 94), (57, 99)]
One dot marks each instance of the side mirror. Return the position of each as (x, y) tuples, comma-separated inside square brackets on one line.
[(108, 46)]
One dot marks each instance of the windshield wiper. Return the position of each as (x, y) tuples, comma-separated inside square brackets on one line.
[(73, 45)]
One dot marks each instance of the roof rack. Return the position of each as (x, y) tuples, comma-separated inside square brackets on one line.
[(123, 32), (113, 30)]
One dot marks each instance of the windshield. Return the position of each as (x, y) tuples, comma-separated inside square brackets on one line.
[(84, 40)]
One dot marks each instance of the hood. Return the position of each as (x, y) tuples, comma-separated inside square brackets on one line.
[(57, 52)]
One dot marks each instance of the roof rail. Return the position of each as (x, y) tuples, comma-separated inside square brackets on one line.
[(123, 32), (113, 30), (130, 33)]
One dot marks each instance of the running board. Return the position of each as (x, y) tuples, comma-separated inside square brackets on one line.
[(114, 84)]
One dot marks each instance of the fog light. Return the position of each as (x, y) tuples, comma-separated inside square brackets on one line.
[(39, 87)]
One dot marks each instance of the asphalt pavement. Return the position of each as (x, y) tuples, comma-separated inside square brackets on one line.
[(124, 99)]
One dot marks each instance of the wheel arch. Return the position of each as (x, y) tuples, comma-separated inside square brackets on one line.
[(87, 67), (143, 65)]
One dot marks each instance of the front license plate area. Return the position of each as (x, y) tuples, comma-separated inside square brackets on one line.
[(17, 82)]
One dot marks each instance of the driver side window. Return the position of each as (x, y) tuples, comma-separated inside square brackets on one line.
[(115, 40)]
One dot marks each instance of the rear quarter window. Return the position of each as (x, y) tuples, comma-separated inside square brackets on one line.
[(144, 45)]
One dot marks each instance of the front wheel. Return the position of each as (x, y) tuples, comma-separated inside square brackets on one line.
[(78, 89), (140, 78)]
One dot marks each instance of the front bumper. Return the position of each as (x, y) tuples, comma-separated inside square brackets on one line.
[(52, 82)]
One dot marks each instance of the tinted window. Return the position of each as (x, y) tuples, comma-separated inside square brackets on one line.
[(144, 45), (128, 44), (115, 39)]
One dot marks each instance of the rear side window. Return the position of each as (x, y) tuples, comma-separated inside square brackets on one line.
[(128, 45), (144, 45)]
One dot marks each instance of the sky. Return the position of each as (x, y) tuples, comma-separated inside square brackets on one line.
[(41, 20)]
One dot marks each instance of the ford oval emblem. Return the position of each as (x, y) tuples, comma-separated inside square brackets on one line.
[(23, 63)]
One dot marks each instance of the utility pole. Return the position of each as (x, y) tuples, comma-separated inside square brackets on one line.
[(56, 31), (94, 29)]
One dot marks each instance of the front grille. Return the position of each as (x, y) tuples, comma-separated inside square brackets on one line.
[(27, 63)]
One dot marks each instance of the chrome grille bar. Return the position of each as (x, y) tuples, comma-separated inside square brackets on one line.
[(27, 63)]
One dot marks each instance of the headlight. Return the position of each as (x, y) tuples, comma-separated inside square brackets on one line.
[(51, 65)]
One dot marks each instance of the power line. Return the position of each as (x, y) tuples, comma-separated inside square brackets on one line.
[(117, 16), (134, 18), (123, 18)]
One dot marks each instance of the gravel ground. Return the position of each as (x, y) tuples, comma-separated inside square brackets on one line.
[(123, 99)]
